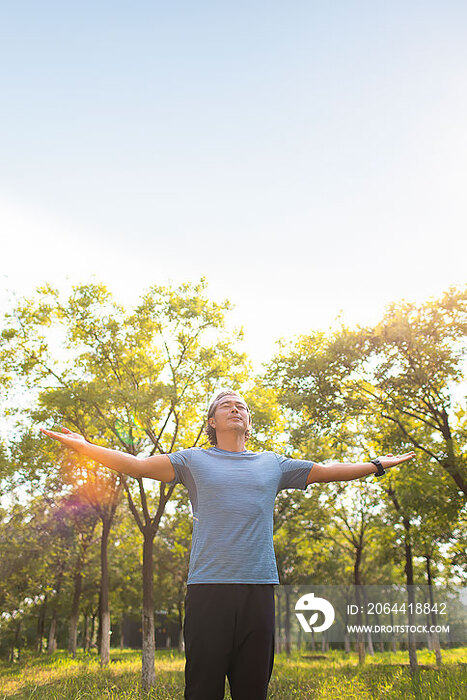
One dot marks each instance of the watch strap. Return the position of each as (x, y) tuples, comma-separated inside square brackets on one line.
[(380, 469)]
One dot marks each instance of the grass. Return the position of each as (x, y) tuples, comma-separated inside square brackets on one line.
[(299, 677)]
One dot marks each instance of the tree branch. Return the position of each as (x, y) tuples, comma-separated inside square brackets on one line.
[(132, 506)]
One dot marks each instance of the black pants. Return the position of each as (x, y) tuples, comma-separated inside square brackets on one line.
[(228, 630)]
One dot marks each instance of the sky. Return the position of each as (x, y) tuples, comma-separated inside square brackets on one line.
[(309, 159)]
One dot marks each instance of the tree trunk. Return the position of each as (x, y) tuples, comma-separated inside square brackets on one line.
[(378, 622), (73, 630), (393, 636), (434, 635), (99, 624), (181, 641), (429, 639), (287, 621), (279, 625), (411, 636), (358, 599), (40, 626), (52, 642), (86, 639), (408, 568), (148, 677), (346, 622), (17, 642), (93, 631), (410, 595), (104, 595), (369, 638)]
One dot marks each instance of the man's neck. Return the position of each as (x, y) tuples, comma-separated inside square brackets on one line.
[(231, 443)]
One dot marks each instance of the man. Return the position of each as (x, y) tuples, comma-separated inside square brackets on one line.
[(229, 606)]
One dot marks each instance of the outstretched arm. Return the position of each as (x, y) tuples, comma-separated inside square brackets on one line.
[(346, 471), (156, 467)]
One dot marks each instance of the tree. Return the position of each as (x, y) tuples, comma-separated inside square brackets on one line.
[(408, 369), (173, 547), (396, 380), (419, 353), (84, 519), (137, 380)]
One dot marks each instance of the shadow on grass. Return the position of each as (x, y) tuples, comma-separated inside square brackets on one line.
[(102, 684), (313, 679), (298, 678), (62, 678)]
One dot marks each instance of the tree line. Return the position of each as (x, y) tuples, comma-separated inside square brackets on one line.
[(83, 544)]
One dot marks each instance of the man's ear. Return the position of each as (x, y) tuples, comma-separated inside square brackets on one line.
[(211, 422)]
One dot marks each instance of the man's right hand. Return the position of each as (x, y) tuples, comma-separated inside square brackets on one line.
[(157, 467), (66, 437)]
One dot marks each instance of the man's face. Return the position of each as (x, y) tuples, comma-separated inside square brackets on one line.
[(231, 414)]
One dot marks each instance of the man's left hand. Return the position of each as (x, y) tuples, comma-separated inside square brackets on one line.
[(391, 460)]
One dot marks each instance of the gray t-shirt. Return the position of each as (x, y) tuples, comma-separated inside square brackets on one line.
[(232, 496)]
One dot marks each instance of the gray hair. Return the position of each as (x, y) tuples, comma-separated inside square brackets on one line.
[(210, 431)]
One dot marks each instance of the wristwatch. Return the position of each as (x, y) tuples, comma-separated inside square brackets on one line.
[(379, 467)]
